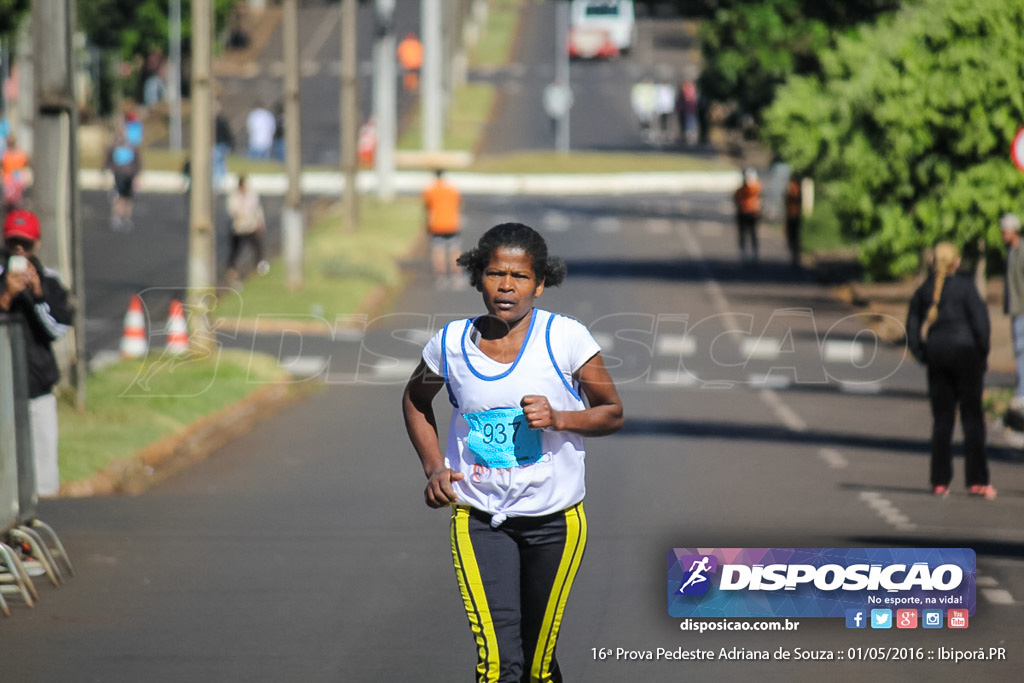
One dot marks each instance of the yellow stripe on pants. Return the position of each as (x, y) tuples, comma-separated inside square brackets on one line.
[(475, 598), (572, 555)]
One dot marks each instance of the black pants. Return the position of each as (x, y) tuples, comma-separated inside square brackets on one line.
[(238, 241), (954, 381), (793, 239), (515, 581), (747, 223)]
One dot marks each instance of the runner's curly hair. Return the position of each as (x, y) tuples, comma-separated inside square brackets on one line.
[(549, 269)]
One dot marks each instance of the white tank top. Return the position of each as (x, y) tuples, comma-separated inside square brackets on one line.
[(550, 477)]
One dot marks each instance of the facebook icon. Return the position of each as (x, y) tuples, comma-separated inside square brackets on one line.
[(856, 618)]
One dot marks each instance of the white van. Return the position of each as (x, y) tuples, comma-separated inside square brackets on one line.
[(614, 17)]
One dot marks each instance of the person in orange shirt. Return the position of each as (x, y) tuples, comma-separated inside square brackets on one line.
[(15, 163), (410, 56), (748, 212), (443, 202)]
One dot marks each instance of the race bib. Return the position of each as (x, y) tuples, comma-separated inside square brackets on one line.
[(502, 438)]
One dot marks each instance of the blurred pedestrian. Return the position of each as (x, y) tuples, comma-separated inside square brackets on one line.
[(260, 127), (792, 199), (223, 145), (124, 161), (512, 472), (686, 111), (277, 148), (948, 331), (443, 204), (748, 212), (134, 131), (1013, 299), (15, 163), (410, 56), (248, 225), (664, 108), (643, 99), (36, 295)]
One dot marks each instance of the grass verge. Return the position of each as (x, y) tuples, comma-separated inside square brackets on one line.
[(134, 403), (341, 269)]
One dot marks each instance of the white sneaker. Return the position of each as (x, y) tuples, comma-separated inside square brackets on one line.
[(262, 267)]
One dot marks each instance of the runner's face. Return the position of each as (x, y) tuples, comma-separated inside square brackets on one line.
[(510, 285)]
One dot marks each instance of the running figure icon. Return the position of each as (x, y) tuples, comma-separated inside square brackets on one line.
[(696, 570)]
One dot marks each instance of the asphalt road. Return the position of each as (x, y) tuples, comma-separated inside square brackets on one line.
[(759, 414), (303, 551)]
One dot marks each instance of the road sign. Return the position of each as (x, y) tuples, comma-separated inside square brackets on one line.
[(1017, 149)]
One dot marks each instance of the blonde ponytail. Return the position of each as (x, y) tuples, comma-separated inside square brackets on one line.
[(947, 258)]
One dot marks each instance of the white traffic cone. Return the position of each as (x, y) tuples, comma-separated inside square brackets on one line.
[(134, 343)]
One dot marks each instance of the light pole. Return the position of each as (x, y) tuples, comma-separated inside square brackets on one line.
[(384, 98)]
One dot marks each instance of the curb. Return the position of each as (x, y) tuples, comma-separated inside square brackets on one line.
[(160, 460)]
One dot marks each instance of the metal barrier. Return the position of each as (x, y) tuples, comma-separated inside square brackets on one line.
[(27, 545)]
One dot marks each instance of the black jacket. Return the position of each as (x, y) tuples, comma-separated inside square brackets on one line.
[(962, 326), (46, 320)]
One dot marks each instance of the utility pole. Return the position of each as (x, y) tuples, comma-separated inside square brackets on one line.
[(174, 74), (55, 162), (384, 98), (433, 105), (201, 270), (349, 114), (562, 75), (292, 224)]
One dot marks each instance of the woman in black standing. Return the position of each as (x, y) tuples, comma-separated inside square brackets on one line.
[(948, 331)]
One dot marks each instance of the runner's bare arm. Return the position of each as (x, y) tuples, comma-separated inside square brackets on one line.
[(421, 425), (602, 416)]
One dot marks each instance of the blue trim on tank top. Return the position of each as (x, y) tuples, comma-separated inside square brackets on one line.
[(444, 366), (522, 349), (554, 363)]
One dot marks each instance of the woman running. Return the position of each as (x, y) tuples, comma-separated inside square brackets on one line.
[(526, 386)]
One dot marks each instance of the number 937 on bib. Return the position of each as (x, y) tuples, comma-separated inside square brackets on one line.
[(501, 437)]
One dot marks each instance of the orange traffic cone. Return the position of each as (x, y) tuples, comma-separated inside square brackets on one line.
[(177, 330), (134, 343)]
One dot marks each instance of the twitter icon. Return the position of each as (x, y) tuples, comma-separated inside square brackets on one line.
[(881, 618)]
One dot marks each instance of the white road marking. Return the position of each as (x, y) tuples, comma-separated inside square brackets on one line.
[(763, 348), (658, 226), (843, 352), (785, 414), (556, 221), (303, 366), (607, 225), (833, 458), (887, 511), (868, 388), (998, 596), (675, 345), (674, 377)]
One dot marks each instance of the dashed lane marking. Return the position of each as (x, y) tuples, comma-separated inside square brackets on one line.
[(675, 345), (843, 352), (887, 511), (763, 348), (833, 458), (782, 411)]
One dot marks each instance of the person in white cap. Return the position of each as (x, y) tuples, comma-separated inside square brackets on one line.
[(1013, 298)]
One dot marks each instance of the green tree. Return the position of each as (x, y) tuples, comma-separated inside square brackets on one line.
[(11, 12), (133, 27), (908, 131), (750, 47)]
